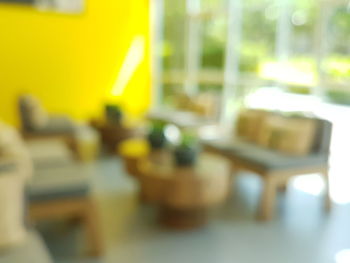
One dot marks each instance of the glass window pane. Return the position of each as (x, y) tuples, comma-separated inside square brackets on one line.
[(214, 42), (337, 63), (173, 49), (257, 49), (301, 76), (174, 34), (213, 5)]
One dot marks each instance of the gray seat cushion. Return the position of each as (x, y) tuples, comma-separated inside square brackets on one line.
[(271, 160), (58, 193), (49, 152), (32, 250), (7, 166), (56, 125), (29, 107), (265, 158), (59, 182)]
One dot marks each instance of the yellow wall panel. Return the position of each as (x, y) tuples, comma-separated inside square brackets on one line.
[(71, 62)]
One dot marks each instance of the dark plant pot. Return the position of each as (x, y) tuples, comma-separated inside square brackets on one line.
[(185, 156), (157, 140), (113, 114)]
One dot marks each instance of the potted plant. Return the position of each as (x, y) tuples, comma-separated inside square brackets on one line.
[(187, 151), (113, 114), (156, 136)]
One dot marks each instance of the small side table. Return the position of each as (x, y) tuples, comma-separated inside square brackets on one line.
[(112, 134), (184, 194)]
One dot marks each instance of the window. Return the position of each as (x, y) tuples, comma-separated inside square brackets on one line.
[(235, 47), (336, 63)]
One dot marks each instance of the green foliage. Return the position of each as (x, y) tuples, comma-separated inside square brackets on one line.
[(113, 113), (337, 66), (340, 97), (258, 41), (174, 34), (339, 30), (188, 140), (210, 87), (299, 89), (112, 107), (158, 126)]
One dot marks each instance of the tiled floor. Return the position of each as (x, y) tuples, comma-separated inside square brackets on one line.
[(301, 232)]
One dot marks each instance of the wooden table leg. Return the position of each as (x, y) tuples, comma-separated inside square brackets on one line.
[(268, 198), (283, 186), (232, 178)]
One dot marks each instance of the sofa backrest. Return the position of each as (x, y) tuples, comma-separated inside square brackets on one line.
[(205, 104), (322, 139), (23, 114), (249, 124), (32, 114), (290, 134)]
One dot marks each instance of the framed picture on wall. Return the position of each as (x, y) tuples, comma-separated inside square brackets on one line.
[(28, 2), (61, 6)]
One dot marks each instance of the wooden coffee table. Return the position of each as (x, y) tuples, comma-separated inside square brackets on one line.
[(184, 194)]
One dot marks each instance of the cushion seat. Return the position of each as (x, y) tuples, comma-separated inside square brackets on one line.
[(280, 145), (56, 125), (59, 183), (266, 159), (57, 193), (49, 152), (7, 166)]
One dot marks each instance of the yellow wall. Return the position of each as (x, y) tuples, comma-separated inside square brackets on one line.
[(71, 62)]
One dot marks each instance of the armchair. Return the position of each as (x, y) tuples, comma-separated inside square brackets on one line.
[(35, 121), (17, 244), (277, 147)]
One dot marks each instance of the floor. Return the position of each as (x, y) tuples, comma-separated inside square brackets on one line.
[(301, 232)]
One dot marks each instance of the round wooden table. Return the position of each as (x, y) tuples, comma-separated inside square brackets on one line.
[(184, 194)]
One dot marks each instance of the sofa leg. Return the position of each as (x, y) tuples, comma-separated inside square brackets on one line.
[(93, 234), (268, 199), (283, 187), (232, 179), (328, 200)]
